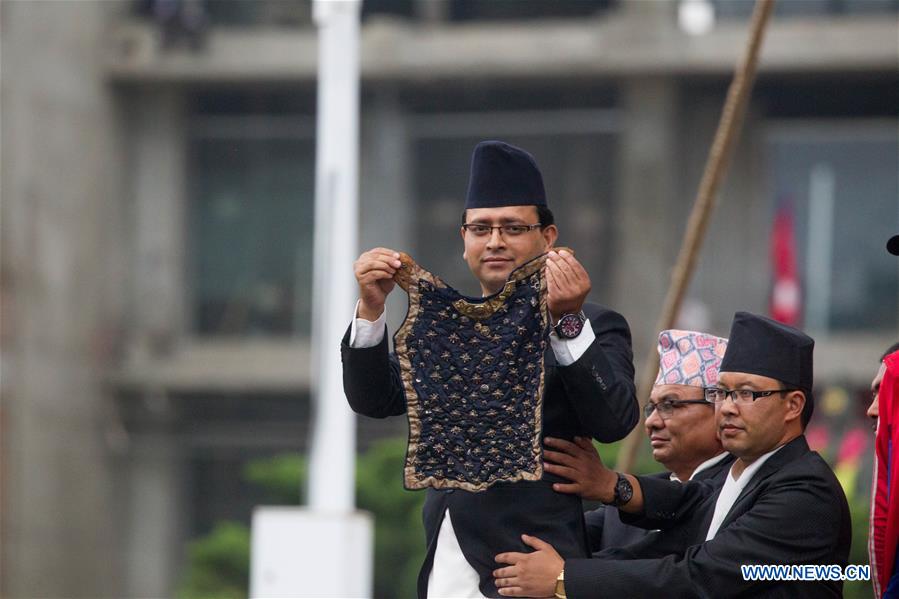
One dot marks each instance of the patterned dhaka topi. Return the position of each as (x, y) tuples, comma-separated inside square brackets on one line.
[(472, 370), (689, 358)]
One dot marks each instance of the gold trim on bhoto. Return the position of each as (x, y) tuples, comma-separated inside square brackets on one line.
[(409, 276)]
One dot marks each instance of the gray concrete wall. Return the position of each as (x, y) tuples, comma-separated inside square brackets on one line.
[(62, 265)]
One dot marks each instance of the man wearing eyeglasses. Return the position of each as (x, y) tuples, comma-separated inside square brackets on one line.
[(589, 388), (679, 422), (780, 503)]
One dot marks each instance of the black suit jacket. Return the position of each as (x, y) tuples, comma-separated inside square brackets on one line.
[(792, 512), (605, 530), (592, 397)]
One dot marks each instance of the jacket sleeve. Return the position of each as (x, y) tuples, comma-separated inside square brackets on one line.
[(600, 384), (667, 503), (797, 523), (371, 379)]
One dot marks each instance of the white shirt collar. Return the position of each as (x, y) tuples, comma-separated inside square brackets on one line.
[(732, 489), (703, 466)]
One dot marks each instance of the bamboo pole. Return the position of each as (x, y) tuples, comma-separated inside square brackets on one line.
[(715, 169)]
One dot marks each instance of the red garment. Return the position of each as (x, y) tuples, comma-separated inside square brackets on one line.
[(884, 530)]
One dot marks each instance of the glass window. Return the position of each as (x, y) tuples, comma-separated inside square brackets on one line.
[(251, 214), (842, 185), (802, 8)]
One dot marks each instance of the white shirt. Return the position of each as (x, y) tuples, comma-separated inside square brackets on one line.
[(452, 575), (731, 491), (703, 466)]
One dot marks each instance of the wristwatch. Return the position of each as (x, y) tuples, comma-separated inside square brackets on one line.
[(570, 325), (623, 491), (560, 586)]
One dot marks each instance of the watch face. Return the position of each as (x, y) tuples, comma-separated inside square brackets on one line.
[(624, 490), (570, 326)]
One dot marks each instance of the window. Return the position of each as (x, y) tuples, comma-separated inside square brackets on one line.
[(251, 215)]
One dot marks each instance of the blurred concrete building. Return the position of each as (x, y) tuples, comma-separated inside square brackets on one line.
[(157, 181)]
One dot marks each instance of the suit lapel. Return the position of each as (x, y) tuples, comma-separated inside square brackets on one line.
[(788, 453)]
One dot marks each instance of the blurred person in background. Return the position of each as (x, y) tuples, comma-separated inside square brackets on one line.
[(178, 20), (680, 424), (884, 529), (589, 387)]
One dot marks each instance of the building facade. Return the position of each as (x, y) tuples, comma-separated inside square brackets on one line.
[(157, 197)]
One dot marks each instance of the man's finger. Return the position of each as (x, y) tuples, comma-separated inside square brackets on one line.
[(511, 592), (571, 262), (370, 265), (570, 488), (561, 444), (384, 251), (559, 458), (585, 444), (375, 275), (380, 254), (560, 276), (563, 471), (564, 265), (510, 557), (535, 542)]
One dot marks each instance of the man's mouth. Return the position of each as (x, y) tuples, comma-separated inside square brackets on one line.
[(495, 260), (729, 428), (656, 441)]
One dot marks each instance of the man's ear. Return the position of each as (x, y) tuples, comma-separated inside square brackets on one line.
[(795, 401), (550, 234)]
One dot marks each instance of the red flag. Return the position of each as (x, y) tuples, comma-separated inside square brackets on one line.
[(786, 296)]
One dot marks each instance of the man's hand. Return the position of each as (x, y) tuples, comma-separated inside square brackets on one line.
[(580, 463), (567, 284), (529, 574), (374, 272)]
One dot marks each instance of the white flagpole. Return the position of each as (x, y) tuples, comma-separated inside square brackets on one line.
[(303, 552), (332, 456)]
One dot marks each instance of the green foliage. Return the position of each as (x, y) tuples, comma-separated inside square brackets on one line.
[(219, 564), (283, 477), (399, 534)]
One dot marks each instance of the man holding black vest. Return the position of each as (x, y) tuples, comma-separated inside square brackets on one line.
[(589, 388), (780, 503)]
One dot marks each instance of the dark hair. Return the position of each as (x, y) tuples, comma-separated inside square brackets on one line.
[(808, 408), (891, 349), (544, 216)]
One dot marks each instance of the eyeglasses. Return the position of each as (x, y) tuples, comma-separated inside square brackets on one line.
[(740, 396), (666, 406), (513, 230)]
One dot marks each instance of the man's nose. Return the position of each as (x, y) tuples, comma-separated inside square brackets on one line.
[(496, 239), (872, 411), (728, 406), (654, 421)]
